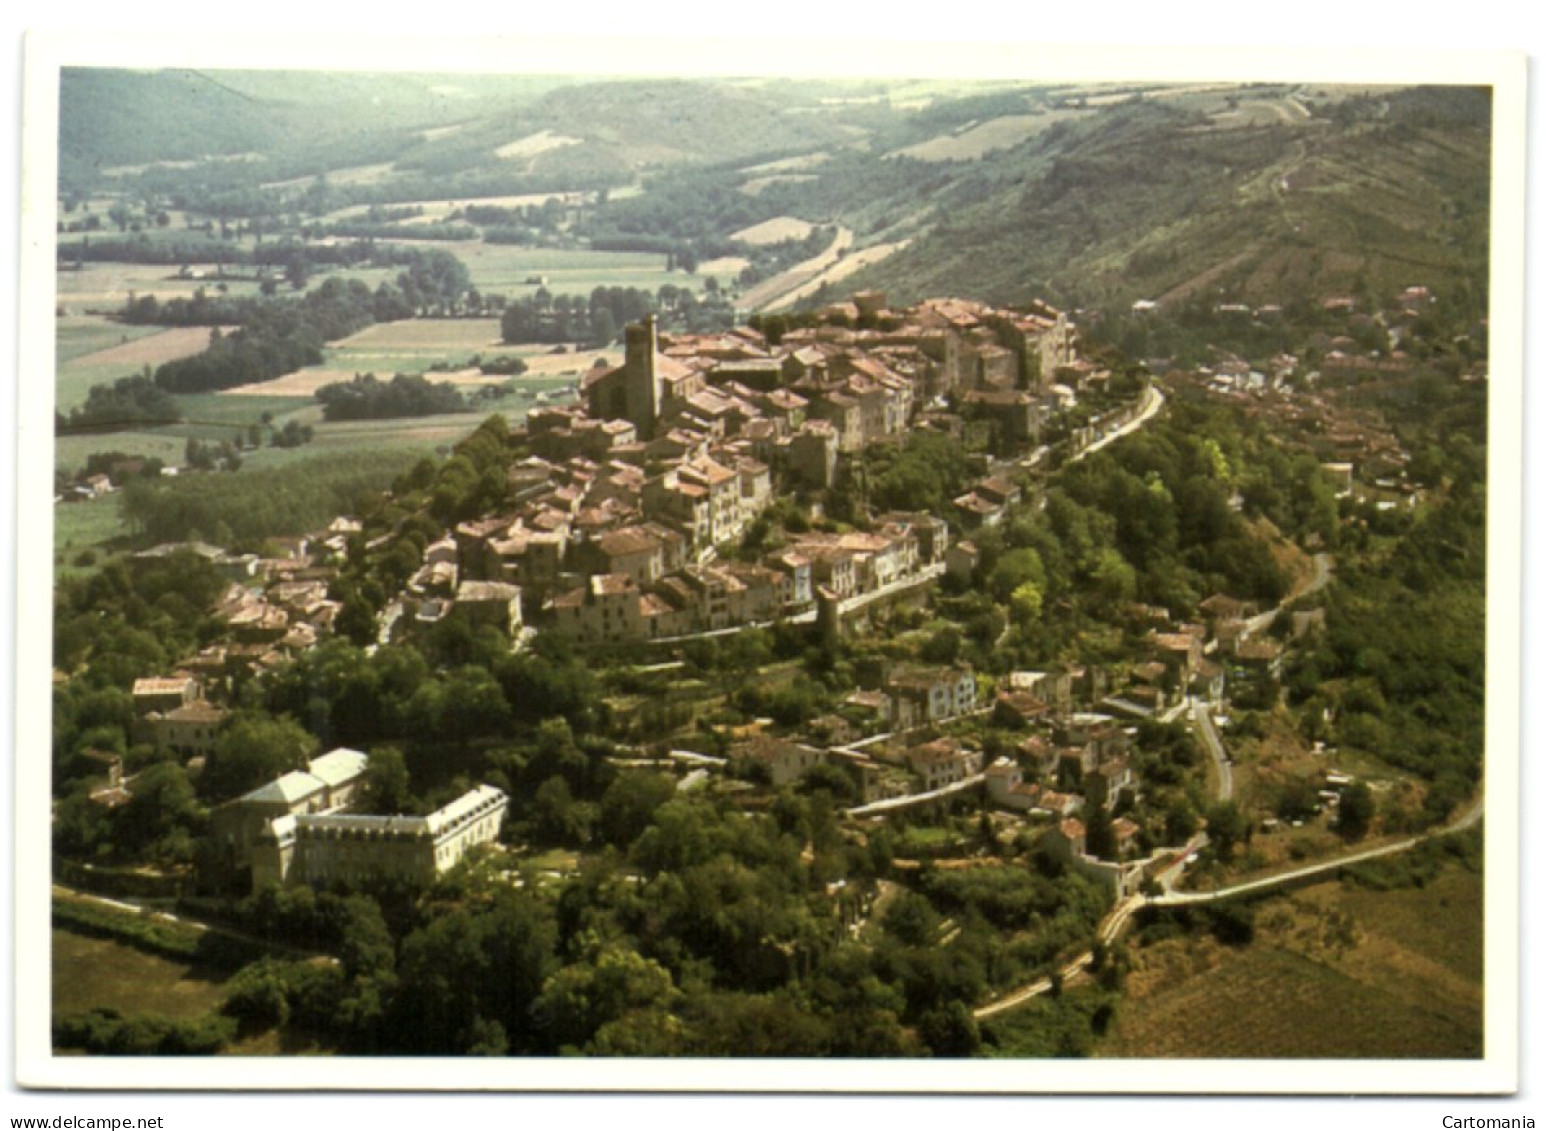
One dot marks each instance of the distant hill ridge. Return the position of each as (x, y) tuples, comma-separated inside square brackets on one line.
[(1092, 196)]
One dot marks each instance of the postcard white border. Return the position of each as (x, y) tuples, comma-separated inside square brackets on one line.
[(1505, 73)]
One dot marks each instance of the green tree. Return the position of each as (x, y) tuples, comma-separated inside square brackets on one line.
[(912, 920), (1025, 603), (942, 647), (365, 944), (1227, 827), (252, 750), (1355, 811), (951, 1031), (557, 818), (467, 972), (387, 787), (436, 281), (162, 814), (604, 987), (630, 802)]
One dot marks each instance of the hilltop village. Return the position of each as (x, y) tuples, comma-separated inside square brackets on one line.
[(814, 580), (617, 530), (495, 621)]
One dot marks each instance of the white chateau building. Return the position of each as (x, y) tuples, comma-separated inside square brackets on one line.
[(297, 829), (323, 849)]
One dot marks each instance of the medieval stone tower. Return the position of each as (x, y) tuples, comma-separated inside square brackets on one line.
[(641, 384)]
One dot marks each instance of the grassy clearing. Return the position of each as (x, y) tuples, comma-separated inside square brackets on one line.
[(776, 230), (1425, 919), (554, 860), (79, 526), (423, 335), (790, 164), (414, 346), (71, 451), (93, 972), (756, 185), (79, 335), (153, 349), (533, 144), (505, 268), (73, 379), (983, 138), (92, 350), (434, 210), (224, 412), (106, 286)]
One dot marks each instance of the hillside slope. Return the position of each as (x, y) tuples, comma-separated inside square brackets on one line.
[(1152, 201)]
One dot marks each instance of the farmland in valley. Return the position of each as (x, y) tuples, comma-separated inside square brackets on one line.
[(506, 268), (774, 231), (78, 336), (982, 138), (413, 346), (144, 345), (104, 287)]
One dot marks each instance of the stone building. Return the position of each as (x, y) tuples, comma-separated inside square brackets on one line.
[(327, 785), (188, 730), (323, 849)]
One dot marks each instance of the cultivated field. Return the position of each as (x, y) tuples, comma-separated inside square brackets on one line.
[(71, 451), (305, 382), (413, 346), (105, 287), (153, 349), (848, 265), (533, 144), (726, 269), (795, 164), (776, 230), (80, 526), (424, 433), (978, 139), (86, 347), (775, 292), (1334, 971), (755, 186), (505, 268), (554, 365), (210, 158), (434, 210), (356, 175), (80, 335), (426, 335)]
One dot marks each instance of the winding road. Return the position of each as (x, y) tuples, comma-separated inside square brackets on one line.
[(1121, 914), (1153, 401), (1467, 819), (1203, 721)]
